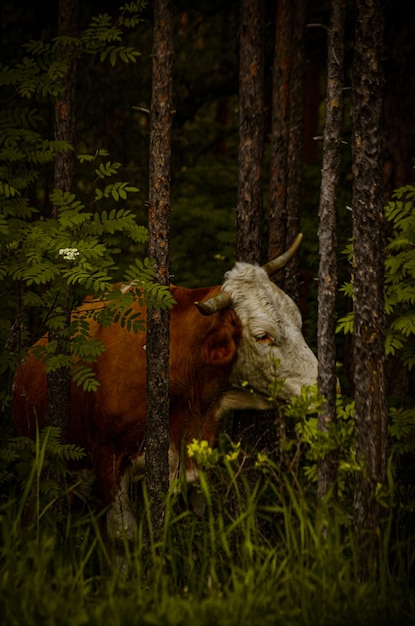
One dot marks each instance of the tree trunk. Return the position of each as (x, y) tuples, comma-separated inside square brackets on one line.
[(249, 210), (369, 325), (287, 136), (277, 242), (157, 343), (59, 381), (296, 142), (327, 277)]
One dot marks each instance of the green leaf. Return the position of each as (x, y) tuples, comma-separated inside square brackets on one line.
[(84, 377), (346, 324), (405, 324), (107, 169), (393, 343)]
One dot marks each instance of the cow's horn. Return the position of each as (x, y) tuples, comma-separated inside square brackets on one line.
[(273, 266), (222, 301)]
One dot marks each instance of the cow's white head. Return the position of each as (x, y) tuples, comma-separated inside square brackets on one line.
[(272, 344)]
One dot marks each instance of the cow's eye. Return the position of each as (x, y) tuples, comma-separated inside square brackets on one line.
[(263, 338)]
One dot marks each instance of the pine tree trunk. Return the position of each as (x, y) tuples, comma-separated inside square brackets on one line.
[(249, 210), (277, 242), (58, 410), (296, 142), (369, 325), (288, 86), (157, 342), (327, 278), (59, 381)]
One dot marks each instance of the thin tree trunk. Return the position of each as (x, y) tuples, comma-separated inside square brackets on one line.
[(59, 381), (369, 325), (157, 343), (281, 71), (327, 277), (286, 146), (287, 132), (296, 142), (249, 210)]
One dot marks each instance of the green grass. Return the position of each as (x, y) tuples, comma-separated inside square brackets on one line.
[(257, 556)]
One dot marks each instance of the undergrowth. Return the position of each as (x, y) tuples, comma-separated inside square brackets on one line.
[(262, 552)]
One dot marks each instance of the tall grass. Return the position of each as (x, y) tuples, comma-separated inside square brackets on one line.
[(262, 554)]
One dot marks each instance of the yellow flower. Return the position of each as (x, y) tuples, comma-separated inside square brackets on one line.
[(262, 460), (199, 449), (232, 456)]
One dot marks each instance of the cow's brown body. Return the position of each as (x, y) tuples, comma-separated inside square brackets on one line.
[(110, 423), (223, 360)]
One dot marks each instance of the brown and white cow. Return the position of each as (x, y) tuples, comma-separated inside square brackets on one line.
[(223, 355)]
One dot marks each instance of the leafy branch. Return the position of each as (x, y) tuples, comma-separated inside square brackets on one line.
[(48, 265)]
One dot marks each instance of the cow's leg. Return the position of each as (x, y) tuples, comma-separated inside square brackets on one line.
[(121, 525), (113, 477), (175, 468), (121, 522)]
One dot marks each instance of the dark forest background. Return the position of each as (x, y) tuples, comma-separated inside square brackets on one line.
[(112, 105), (113, 115)]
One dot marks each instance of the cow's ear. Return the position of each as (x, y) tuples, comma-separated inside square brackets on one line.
[(220, 345)]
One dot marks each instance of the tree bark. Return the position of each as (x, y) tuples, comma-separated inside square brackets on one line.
[(327, 276), (157, 343), (296, 142), (368, 227), (249, 210), (59, 381), (280, 131), (58, 410), (288, 84)]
